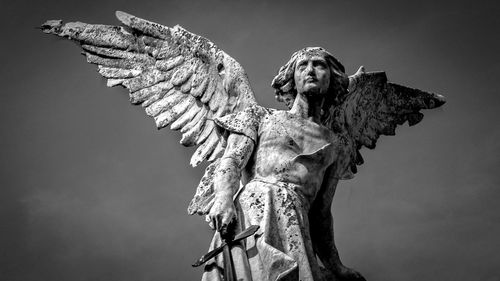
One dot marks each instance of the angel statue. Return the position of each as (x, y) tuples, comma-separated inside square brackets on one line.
[(274, 169)]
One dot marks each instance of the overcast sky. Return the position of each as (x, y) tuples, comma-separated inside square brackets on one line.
[(90, 190)]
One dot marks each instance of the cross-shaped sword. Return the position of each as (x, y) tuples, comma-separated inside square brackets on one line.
[(225, 248)]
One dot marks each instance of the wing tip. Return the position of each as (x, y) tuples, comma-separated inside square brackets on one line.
[(361, 70), (434, 101), (194, 162), (439, 100), (123, 16), (52, 26)]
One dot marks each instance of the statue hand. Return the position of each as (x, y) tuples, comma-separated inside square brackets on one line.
[(222, 213)]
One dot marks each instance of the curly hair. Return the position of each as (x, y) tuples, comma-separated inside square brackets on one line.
[(284, 83)]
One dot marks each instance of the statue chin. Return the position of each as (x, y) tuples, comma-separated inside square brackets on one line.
[(313, 92)]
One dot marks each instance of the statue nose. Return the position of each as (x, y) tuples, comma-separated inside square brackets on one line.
[(309, 68)]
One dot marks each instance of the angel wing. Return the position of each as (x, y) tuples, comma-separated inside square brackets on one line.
[(374, 107), (181, 79)]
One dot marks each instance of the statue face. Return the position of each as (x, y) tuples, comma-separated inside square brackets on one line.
[(312, 75)]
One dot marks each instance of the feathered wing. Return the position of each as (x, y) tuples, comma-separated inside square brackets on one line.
[(181, 79), (374, 107)]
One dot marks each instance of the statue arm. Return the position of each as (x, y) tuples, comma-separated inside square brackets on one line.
[(321, 223), (227, 178), (321, 228)]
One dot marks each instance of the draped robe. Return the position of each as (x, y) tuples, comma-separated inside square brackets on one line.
[(279, 184)]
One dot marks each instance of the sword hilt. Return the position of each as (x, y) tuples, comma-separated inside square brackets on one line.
[(240, 236)]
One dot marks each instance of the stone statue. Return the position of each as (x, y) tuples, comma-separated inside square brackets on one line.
[(269, 168)]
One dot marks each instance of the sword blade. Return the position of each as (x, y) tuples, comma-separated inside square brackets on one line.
[(242, 235), (229, 274), (203, 259), (245, 233)]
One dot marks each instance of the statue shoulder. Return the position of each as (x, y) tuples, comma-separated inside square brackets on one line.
[(246, 122)]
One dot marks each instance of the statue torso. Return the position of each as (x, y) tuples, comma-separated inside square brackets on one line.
[(291, 149)]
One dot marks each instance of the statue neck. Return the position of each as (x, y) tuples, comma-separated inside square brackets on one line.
[(308, 107)]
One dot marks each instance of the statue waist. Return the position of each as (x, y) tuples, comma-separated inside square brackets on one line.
[(296, 191)]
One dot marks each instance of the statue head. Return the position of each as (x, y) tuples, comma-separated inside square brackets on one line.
[(292, 75)]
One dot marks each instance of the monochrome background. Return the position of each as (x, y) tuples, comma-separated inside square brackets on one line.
[(90, 190)]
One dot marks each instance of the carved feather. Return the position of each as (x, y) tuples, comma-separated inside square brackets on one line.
[(202, 113), (186, 87), (207, 130), (93, 34), (145, 80), (180, 78), (204, 150), (144, 26), (190, 137), (218, 150), (109, 62), (120, 54), (164, 103), (209, 91), (218, 98), (158, 95), (187, 116), (199, 84), (375, 107), (146, 93), (172, 112), (111, 72), (203, 199), (115, 82), (182, 74), (166, 65)]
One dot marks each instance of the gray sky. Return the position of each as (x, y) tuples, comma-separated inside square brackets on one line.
[(92, 191)]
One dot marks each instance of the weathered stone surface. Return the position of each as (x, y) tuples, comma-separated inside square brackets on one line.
[(152, 60), (274, 169)]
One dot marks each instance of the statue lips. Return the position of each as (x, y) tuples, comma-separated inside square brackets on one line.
[(311, 84), (311, 80)]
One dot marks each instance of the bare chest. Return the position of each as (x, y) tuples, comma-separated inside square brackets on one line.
[(284, 131), (293, 149)]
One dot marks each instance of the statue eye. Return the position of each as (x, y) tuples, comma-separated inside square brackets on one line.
[(320, 64), (301, 66)]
